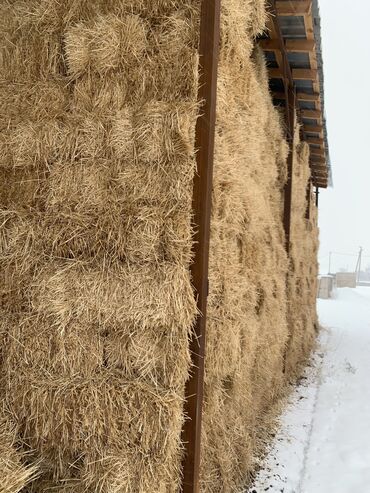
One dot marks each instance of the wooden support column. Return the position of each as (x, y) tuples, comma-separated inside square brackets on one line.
[(290, 112), (317, 196), (288, 190), (308, 200), (202, 195)]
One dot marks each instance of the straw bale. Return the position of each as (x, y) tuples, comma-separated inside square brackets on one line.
[(302, 284), (126, 297), (106, 44), (98, 160), (249, 326), (98, 114), (30, 144), (43, 100), (88, 427), (14, 475)]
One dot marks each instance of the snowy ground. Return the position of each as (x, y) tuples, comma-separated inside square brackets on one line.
[(323, 445)]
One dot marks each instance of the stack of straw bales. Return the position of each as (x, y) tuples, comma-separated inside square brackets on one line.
[(262, 309), (98, 111), (303, 269), (247, 325)]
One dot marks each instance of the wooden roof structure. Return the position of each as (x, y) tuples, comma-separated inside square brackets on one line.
[(292, 46)]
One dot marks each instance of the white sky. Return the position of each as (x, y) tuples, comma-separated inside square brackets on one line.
[(345, 209)]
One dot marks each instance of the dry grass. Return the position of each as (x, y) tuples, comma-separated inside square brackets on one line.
[(14, 475), (252, 339), (302, 284), (98, 111), (247, 314), (97, 158)]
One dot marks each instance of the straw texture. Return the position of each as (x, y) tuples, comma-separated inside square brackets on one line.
[(98, 113)]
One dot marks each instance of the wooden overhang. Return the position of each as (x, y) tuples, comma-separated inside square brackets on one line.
[(299, 27)]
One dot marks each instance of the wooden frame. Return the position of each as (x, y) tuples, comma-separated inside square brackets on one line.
[(202, 197)]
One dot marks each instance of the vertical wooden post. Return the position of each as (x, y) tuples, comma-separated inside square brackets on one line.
[(288, 190), (290, 119), (317, 196), (202, 199), (308, 199)]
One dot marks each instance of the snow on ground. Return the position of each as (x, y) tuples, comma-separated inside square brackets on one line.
[(323, 445)]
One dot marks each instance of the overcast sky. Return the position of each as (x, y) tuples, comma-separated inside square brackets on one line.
[(345, 209)]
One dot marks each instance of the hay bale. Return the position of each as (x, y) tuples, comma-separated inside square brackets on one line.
[(98, 114), (84, 430), (14, 475), (105, 44), (95, 238), (302, 281), (252, 337)]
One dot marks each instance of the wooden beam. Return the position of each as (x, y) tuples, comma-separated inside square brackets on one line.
[(285, 73), (269, 44), (319, 166), (291, 45), (313, 114), (317, 154), (321, 184), (313, 128), (322, 167), (202, 197), (297, 73), (300, 45), (288, 190), (305, 74), (308, 200), (276, 73), (314, 141), (297, 7), (302, 96)]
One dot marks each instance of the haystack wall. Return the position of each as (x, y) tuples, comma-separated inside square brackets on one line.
[(97, 158), (98, 111)]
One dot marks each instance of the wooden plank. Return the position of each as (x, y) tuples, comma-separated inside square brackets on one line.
[(288, 189), (308, 200), (305, 74), (318, 155), (320, 173), (321, 163), (318, 166), (312, 140), (291, 45), (297, 73), (202, 197), (297, 7), (300, 45), (321, 184), (302, 96), (269, 44), (314, 114), (308, 23), (285, 73), (313, 128), (276, 73)]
